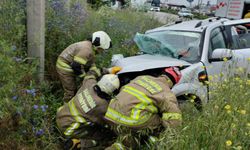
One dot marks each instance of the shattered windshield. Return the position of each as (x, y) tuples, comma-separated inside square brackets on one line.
[(176, 44)]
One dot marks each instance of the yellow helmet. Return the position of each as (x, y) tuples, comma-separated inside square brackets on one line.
[(101, 40), (109, 83)]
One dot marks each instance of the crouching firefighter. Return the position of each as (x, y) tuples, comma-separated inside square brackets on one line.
[(78, 59), (143, 108), (83, 116)]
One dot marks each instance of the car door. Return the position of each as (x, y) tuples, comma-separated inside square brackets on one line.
[(239, 33), (217, 70), (218, 40)]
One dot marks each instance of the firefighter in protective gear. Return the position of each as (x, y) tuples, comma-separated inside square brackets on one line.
[(144, 104), (83, 116), (78, 59)]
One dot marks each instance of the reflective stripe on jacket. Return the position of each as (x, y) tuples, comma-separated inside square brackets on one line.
[(143, 99), (86, 107)]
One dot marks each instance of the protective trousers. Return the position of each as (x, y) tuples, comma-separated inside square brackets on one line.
[(68, 81)]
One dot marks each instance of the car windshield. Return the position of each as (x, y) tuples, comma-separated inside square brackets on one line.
[(176, 44)]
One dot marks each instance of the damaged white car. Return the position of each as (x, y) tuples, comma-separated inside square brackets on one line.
[(199, 48)]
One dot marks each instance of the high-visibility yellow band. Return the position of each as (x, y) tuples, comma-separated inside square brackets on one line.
[(83, 103), (146, 102), (96, 70), (82, 75), (146, 86), (80, 60), (135, 113), (138, 94), (63, 66), (89, 77), (117, 117), (74, 112), (152, 83), (89, 99), (71, 129), (171, 116)]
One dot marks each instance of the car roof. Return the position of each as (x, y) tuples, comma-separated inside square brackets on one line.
[(192, 25)]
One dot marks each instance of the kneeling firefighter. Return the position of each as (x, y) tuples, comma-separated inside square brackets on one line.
[(83, 116), (143, 107)]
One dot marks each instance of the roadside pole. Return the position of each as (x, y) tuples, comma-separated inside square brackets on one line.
[(36, 32)]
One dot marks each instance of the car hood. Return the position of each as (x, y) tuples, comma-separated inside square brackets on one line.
[(145, 62)]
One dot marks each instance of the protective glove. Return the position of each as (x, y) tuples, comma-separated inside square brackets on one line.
[(114, 70), (76, 67)]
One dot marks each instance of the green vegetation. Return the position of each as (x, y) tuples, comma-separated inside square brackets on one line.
[(28, 108), (224, 122)]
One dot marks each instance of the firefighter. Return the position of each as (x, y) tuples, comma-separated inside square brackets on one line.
[(83, 116), (78, 59), (143, 107)]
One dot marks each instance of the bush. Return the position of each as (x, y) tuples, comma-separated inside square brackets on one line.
[(26, 107), (12, 22)]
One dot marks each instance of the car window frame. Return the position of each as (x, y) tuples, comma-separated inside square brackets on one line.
[(210, 47)]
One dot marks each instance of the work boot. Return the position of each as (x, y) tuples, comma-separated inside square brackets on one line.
[(72, 144)]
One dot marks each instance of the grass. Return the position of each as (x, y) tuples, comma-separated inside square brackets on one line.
[(224, 122), (28, 108)]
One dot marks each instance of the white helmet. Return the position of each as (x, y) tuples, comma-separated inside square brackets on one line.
[(109, 83), (101, 39)]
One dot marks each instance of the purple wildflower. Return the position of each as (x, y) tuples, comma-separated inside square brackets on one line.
[(14, 97), (44, 107), (32, 92), (39, 132), (57, 5), (77, 6), (35, 107)]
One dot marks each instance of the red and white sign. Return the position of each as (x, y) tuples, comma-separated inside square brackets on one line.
[(231, 9), (235, 9)]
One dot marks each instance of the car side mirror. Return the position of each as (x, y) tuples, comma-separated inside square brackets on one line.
[(221, 54)]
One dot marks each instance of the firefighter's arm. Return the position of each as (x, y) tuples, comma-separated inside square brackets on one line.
[(171, 114), (79, 61), (93, 71)]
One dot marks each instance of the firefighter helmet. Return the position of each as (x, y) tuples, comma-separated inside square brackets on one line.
[(109, 83), (174, 74), (101, 40)]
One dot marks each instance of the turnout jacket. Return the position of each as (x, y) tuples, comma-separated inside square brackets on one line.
[(146, 102), (82, 54), (85, 108)]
